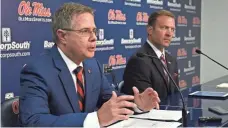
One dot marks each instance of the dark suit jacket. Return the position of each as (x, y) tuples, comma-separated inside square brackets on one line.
[(144, 72), (48, 95)]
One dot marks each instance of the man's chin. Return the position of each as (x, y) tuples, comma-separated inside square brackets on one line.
[(90, 55), (166, 45)]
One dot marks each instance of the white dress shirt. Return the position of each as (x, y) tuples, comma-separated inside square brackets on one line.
[(156, 50), (91, 120)]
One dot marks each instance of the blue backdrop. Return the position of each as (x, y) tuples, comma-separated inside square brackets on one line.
[(26, 32)]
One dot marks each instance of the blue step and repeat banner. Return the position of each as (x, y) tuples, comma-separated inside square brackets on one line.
[(26, 33)]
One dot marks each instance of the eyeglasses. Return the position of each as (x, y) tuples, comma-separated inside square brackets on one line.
[(84, 31)]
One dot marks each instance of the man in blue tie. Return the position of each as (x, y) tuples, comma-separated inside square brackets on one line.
[(65, 85)]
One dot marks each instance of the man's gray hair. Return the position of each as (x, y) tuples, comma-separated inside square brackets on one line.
[(63, 16)]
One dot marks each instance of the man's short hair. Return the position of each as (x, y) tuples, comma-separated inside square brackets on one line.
[(63, 16), (153, 17)]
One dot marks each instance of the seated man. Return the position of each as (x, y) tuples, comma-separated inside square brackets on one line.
[(144, 72), (65, 86)]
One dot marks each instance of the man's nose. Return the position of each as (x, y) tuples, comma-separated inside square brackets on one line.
[(93, 36), (169, 32)]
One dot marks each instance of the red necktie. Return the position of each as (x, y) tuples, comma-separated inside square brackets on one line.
[(80, 87)]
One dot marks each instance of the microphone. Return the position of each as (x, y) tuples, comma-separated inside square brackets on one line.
[(184, 112), (200, 52)]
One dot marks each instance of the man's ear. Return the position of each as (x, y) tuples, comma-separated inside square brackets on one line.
[(61, 34), (149, 30)]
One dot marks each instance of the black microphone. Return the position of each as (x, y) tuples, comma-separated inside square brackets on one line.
[(200, 52), (184, 112)]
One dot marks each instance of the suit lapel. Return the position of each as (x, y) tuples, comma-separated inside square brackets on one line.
[(161, 70), (66, 79), (88, 73), (169, 62), (69, 87), (157, 63)]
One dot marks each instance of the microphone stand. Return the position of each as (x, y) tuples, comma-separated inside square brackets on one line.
[(184, 112), (199, 52)]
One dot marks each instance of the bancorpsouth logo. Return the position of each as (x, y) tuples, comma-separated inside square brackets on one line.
[(182, 21), (7, 45), (190, 7), (174, 6), (117, 61), (33, 12), (196, 22), (190, 39), (155, 4), (142, 18), (181, 53), (48, 44), (11, 48), (190, 69), (102, 43), (176, 40), (134, 3), (182, 83), (194, 54), (116, 17), (195, 80), (100, 34), (131, 42), (104, 1), (6, 35), (131, 33)]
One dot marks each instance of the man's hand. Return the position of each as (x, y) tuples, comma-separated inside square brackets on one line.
[(115, 109), (147, 100)]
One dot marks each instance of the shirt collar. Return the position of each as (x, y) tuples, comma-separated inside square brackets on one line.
[(156, 50), (70, 64)]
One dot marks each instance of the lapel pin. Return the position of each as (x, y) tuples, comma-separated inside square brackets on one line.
[(169, 62)]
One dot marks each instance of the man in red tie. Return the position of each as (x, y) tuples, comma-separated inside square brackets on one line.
[(65, 86), (144, 72)]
